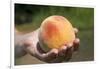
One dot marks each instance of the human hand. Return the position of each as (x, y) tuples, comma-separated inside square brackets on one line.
[(53, 56)]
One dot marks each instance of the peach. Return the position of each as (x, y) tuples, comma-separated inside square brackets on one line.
[(55, 31)]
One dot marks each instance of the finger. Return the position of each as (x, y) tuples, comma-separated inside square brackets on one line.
[(60, 56), (75, 30), (51, 55), (69, 52), (62, 51), (76, 44), (77, 41), (69, 45), (47, 56)]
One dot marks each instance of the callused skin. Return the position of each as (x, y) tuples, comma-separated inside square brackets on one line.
[(55, 31)]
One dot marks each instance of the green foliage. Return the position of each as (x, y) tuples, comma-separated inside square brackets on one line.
[(80, 17)]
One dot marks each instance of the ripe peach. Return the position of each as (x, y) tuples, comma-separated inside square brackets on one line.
[(55, 31)]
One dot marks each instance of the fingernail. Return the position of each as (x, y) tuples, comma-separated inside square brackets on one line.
[(64, 47), (55, 51), (77, 41), (70, 45)]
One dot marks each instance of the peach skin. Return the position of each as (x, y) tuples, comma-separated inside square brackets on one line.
[(55, 31)]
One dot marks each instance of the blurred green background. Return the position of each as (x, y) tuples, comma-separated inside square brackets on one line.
[(29, 17)]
